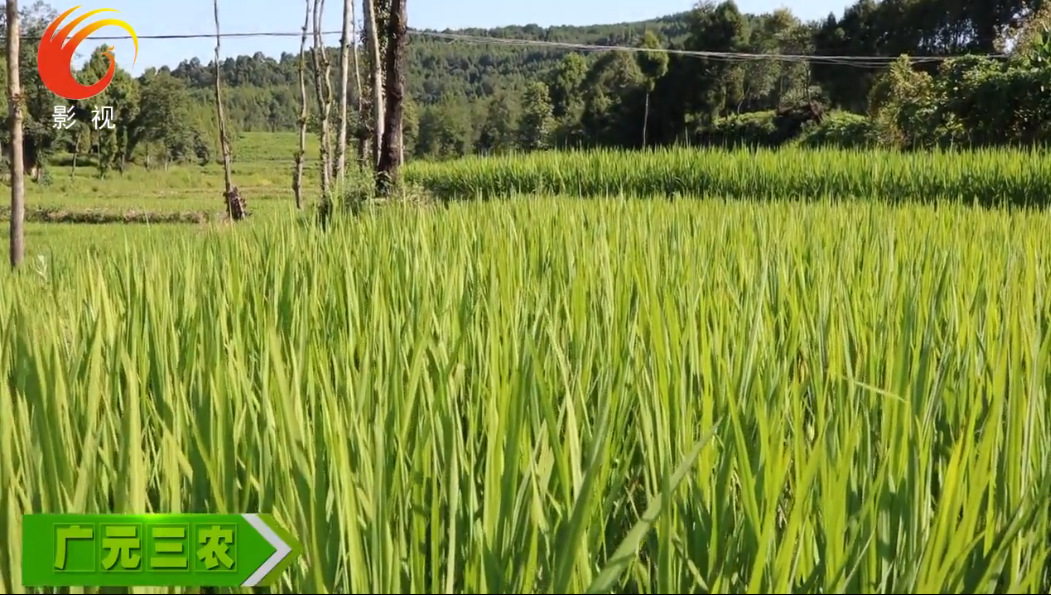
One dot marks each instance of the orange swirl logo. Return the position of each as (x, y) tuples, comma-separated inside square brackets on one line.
[(55, 56)]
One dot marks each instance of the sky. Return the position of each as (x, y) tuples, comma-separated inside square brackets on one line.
[(152, 17)]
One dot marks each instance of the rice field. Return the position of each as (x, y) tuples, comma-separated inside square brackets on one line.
[(1006, 177), (557, 395)]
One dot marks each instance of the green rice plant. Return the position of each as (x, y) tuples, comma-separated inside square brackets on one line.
[(988, 177), (549, 395)]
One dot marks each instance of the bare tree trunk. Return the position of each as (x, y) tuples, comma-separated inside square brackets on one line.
[(645, 119), (394, 66), (378, 119), (14, 98), (323, 83), (224, 141), (297, 181), (359, 91), (344, 76)]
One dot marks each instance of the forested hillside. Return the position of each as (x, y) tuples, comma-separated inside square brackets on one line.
[(468, 96), (264, 93)]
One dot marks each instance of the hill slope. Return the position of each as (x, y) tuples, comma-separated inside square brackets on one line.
[(263, 90)]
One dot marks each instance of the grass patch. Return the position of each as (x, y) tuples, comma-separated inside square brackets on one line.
[(100, 216)]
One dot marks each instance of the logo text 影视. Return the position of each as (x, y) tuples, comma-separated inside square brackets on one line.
[(65, 116), (55, 56)]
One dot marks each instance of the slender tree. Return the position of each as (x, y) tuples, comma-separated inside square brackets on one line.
[(361, 140), (654, 65), (394, 66), (224, 140), (358, 88), (297, 181), (346, 58), (14, 98), (323, 83), (372, 37)]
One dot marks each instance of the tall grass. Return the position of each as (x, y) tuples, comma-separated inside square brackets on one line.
[(552, 396), (993, 177)]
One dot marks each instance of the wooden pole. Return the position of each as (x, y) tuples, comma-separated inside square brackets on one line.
[(14, 95), (224, 140), (297, 181)]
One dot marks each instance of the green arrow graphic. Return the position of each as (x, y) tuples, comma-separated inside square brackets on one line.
[(286, 550)]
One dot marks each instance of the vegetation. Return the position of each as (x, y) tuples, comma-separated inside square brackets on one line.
[(987, 177), (814, 398), (181, 191), (813, 358), (469, 97)]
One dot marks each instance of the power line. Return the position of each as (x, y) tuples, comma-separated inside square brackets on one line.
[(733, 56), (852, 60)]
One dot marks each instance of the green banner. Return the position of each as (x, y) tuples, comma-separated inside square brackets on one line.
[(154, 550)]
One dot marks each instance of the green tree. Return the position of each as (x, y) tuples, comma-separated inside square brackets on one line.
[(445, 129), (113, 111), (653, 66), (717, 83), (537, 122), (41, 137), (611, 84), (565, 87), (164, 126), (499, 131)]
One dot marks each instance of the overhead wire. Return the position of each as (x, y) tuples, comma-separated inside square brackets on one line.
[(847, 60), (730, 56)]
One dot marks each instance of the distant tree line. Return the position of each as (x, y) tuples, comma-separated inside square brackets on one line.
[(623, 99), (473, 98)]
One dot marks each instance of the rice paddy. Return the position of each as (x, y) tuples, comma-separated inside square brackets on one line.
[(989, 177), (553, 395)]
